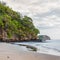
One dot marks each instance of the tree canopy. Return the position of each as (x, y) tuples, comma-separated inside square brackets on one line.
[(14, 25)]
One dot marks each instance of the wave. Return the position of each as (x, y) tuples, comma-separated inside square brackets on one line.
[(48, 47)]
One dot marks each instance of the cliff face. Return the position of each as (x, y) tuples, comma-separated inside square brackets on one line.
[(13, 27)]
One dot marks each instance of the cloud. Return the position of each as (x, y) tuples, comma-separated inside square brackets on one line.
[(51, 21), (45, 13)]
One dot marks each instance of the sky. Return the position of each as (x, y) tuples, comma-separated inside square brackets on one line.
[(45, 14)]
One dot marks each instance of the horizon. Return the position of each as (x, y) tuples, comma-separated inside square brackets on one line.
[(45, 14)]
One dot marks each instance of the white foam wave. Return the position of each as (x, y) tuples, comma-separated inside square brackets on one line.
[(49, 47)]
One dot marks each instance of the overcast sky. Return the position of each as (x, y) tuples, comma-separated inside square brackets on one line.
[(45, 14)]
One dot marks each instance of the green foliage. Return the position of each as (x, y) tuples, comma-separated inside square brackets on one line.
[(14, 24)]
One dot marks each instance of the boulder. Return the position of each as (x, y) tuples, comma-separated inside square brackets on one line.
[(43, 37)]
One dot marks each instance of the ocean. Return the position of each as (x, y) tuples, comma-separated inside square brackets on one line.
[(48, 47)]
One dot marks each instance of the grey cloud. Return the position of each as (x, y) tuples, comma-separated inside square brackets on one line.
[(49, 13), (48, 27), (30, 6)]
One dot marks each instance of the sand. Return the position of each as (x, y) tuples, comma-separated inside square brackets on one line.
[(14, 52)]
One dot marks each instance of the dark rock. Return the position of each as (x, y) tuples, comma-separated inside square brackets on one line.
[(43, 37)]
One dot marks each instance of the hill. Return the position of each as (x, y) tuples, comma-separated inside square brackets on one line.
[(14, 27)]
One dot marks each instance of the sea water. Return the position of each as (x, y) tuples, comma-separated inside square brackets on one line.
[(48, 47)]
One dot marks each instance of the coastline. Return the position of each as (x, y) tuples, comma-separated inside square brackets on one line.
[(15, 52)]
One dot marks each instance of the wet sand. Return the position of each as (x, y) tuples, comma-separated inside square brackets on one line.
[(14, 52)]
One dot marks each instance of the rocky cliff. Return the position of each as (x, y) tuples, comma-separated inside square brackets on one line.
[(14, 27)]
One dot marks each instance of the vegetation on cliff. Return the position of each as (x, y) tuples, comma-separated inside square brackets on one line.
[(15, 27)]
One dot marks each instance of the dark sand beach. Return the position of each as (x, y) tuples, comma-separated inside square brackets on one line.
[(15, 52)]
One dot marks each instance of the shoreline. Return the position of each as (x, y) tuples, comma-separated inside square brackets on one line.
[(35, 49), (15, 52), (32, 40)]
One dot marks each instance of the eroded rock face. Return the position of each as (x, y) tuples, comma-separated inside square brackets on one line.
[(4, 37), (43, 37)]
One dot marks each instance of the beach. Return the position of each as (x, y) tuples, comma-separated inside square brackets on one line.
[(14, 52)]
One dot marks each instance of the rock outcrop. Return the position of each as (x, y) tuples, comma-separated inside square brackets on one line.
[(43, 37)]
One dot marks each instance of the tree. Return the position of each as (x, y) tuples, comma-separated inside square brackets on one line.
[(13, 24)]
